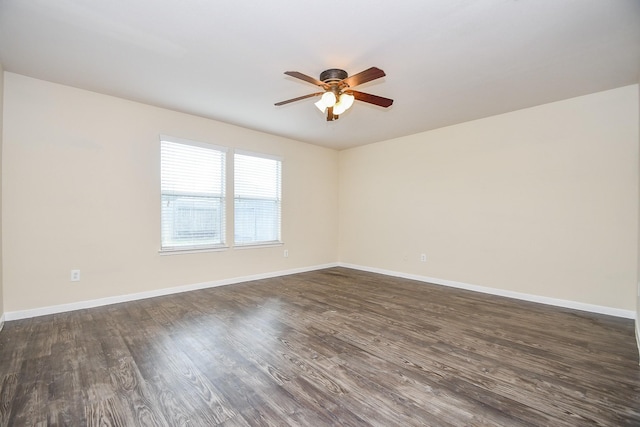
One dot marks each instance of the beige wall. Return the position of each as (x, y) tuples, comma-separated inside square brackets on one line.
[(638, 271), (541, 201), (81, 191), (1, 133)]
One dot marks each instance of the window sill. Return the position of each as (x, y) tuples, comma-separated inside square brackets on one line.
[(165, 252), (259, 245)]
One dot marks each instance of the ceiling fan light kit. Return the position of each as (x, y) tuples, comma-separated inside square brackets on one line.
[(340, 105), (338, 96)]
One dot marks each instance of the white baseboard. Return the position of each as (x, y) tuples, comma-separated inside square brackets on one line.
[(42, 311), (617, 312)]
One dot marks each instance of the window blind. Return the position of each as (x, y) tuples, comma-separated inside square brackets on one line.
[(192, 195), (257, 199)]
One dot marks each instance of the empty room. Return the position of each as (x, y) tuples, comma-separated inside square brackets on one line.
[(347, 213)]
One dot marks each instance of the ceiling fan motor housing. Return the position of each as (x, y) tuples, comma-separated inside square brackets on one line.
[(333, 75)]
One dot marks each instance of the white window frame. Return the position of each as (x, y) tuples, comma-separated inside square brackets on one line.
[(223, 196), (278, 200)]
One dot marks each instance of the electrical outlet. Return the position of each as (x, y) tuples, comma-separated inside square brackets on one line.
[(286, 253), (423, 257), (75, 275)]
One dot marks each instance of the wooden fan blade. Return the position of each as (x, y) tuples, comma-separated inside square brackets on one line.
[(371, 99), (363, 77), (298, 98), (306, 78)]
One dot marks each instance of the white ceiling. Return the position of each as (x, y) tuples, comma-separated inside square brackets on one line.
[(447, 61)]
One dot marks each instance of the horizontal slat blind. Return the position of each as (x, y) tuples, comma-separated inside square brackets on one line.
[(193, 199), (257, 199)]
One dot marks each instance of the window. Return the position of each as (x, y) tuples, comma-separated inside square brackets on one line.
[(257, 199), (192, 194)]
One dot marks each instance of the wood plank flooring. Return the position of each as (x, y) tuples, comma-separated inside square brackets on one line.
[(335, 347)]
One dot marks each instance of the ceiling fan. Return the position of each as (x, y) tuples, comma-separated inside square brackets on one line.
[(337, 96)]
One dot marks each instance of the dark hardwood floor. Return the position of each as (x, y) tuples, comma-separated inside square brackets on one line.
[(332, 347)]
